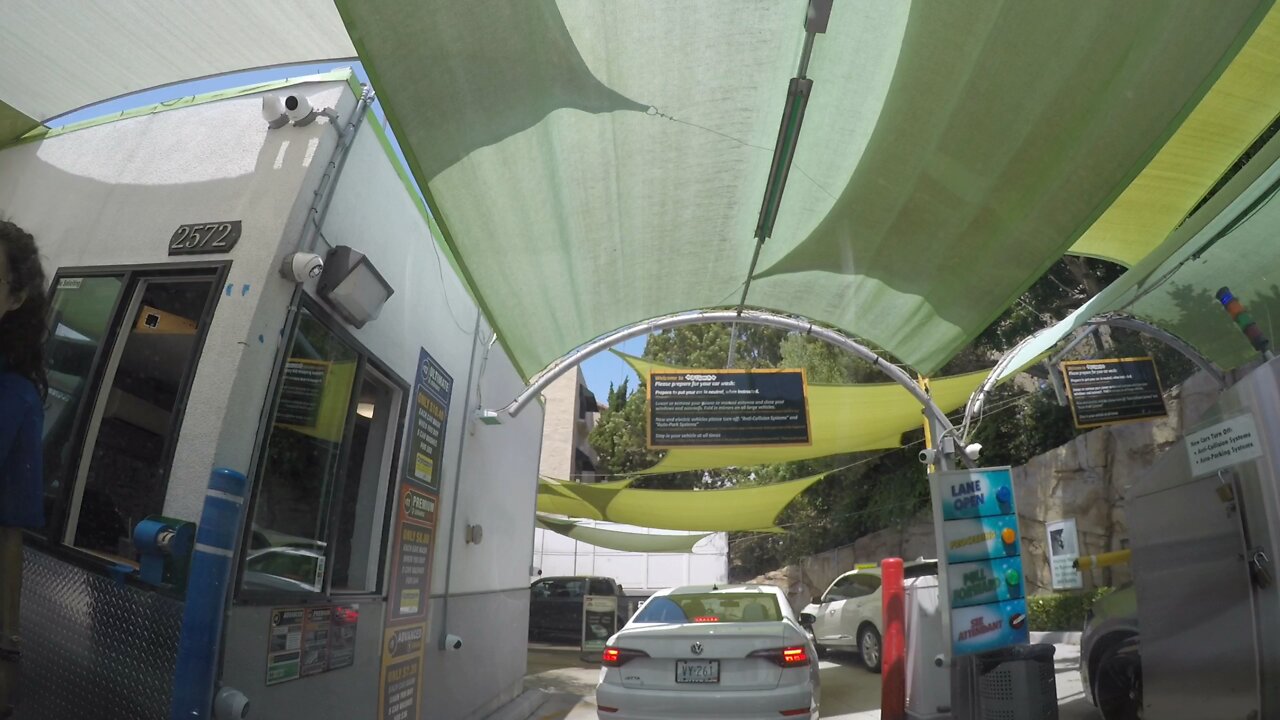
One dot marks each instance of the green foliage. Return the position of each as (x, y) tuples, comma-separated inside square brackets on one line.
[(1062, 611), (876, 490)]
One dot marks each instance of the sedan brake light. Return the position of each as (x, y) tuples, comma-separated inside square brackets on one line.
[(617, 657), (783, 657)]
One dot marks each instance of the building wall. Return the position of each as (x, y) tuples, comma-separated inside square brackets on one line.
[(114, 194), (489, 475), (639, 573), (560, 428)]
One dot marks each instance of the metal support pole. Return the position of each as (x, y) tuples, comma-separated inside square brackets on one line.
[(749, 317)]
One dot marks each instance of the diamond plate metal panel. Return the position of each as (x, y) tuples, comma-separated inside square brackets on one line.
[(93, 648)]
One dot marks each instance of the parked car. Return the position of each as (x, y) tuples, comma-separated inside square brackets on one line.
[(555, 606), (291, 569), (848, 615), (736, 651), (1110, 662)]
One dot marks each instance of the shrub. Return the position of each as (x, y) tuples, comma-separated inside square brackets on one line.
[(1062, 611)]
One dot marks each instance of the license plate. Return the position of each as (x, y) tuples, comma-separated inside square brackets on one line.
[(697, 671)]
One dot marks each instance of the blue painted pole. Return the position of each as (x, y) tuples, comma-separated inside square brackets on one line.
[(194, 678)]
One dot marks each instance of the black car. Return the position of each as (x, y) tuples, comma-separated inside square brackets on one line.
[(555, 606)]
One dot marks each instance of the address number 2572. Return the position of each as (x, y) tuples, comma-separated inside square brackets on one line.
[(199, 238)]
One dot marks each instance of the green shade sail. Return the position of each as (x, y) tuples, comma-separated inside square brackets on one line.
[(842, 419), (593, 165), (1229, 242), (14, 124), (735, 509), (619, 540)]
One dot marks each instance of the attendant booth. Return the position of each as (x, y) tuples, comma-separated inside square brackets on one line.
[(263, 295)]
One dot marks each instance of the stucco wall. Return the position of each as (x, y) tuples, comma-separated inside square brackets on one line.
[(489, 472), (114, 194)]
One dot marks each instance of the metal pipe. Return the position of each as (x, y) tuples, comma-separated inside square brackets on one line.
[(204, 613), (323, 195), (457, 487), (1107, 559), (1127, 322), (750, 317)]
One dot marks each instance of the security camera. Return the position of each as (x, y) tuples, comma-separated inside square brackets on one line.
[(301, 267), (928, 455), (452, 642), (273, 111), (299, 110), (973, 450)]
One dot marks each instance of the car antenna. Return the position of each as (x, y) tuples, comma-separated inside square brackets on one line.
[(715, 586)]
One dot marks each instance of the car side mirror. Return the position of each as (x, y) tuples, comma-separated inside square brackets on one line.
[(817, 600), (806, 619)]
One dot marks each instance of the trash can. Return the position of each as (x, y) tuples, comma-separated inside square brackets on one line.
[(1012, 683)]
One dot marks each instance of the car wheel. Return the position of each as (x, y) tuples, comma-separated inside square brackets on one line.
[(869, 647), (1118, 683)]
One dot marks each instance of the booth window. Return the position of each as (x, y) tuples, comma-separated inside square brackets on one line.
[(325, 472), (121, 355)]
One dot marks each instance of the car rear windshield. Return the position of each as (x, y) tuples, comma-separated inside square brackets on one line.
[(710, 607)]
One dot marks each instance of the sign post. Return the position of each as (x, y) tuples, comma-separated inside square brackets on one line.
[(599, 622), (1064, 548)]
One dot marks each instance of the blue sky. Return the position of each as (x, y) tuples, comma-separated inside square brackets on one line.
[(599, 371)]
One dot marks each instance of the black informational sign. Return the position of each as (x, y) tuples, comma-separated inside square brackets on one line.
[(205, 238), (431, 392), (301, 391), (1113, 390), (718, 408)]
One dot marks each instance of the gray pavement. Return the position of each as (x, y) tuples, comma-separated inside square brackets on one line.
[(564, 686)]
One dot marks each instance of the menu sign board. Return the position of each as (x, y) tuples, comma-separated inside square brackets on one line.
[(1113, 390), (982, 559), (412, 544), (431, 392), (284, 645), (724, 408), (401, 677), (411, 562)]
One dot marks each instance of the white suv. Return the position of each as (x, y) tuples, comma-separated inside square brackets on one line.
[(848, 615)]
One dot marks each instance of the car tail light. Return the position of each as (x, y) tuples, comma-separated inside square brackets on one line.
[(797, 711), (706, 618), (602, 708), (784, 657), (617, 657)]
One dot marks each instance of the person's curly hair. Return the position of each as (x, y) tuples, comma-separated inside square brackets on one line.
[(23, 330)]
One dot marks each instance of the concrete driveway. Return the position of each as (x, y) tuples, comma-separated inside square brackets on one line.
[(848, 691)]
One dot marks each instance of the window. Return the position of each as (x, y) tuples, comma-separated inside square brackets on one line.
[(710, 607), (844, 589), (325, 474), (865, 585), (600, 586), (121, 356)]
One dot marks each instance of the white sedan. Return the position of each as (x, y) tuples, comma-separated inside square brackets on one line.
[(710, 652)]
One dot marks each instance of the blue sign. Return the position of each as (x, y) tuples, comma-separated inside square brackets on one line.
[(981, 538), (981, 493), (989, 627), (985, 581)]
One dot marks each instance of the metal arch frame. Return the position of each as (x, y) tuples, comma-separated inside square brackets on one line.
[(750, 317), (1127, 322)]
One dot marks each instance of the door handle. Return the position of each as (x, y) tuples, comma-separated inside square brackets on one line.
[(1260, 568)]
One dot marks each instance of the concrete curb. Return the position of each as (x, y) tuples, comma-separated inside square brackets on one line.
[(1058, 637), (523, 706)]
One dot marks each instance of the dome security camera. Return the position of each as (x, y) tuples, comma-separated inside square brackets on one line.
[(273, 111), (301, 267), (452, 642), (972, 450), (299, 110), (928, 455)]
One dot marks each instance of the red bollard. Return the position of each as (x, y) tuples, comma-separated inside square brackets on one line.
[(893, 661)]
